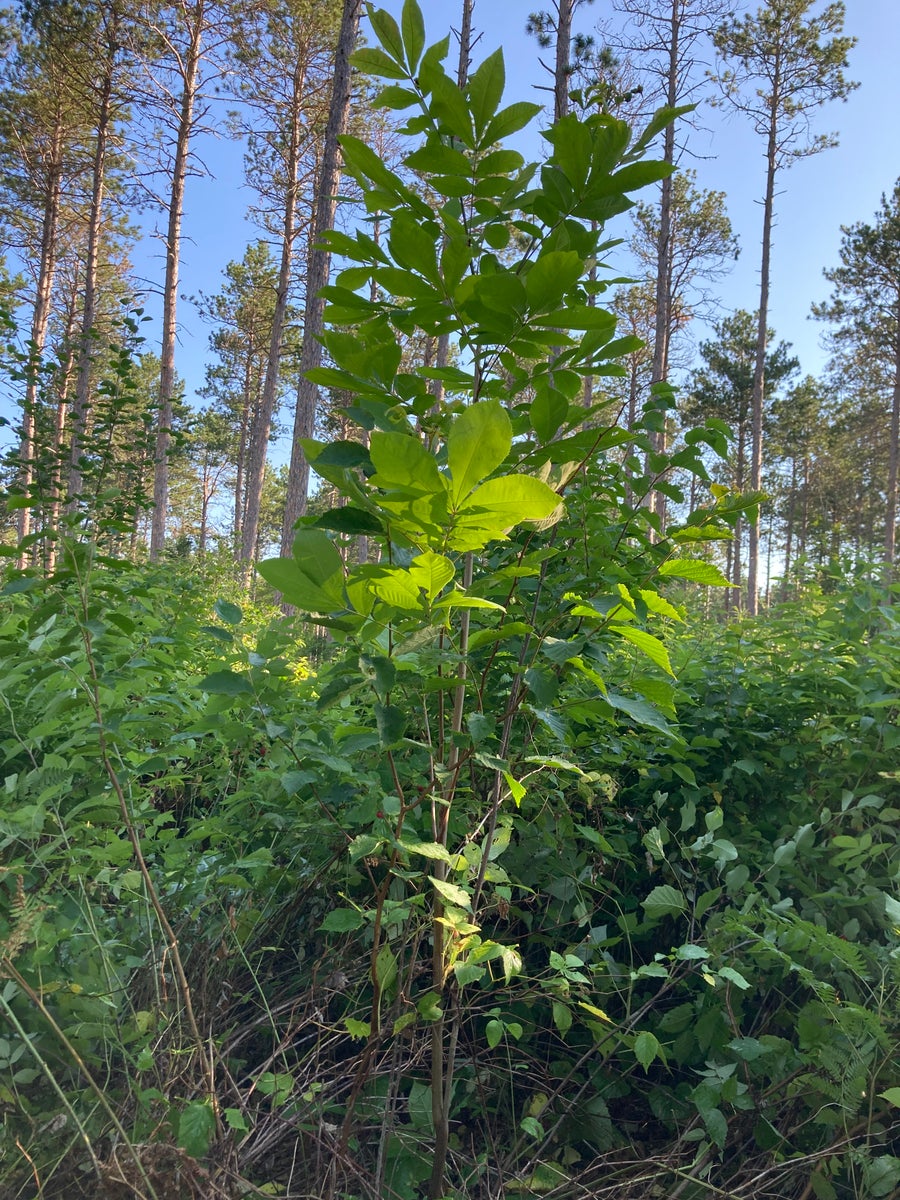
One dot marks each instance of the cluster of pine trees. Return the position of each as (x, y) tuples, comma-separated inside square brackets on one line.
[(106, 111)]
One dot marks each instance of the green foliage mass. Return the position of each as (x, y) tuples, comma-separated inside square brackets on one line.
[(527, 882)]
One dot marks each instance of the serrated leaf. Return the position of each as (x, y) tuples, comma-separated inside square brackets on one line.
[(429, 1006), (690, 952), (287, 577), (533, 1127), (486, 90), (236, 1120), (386, 967), (659, 604), (562, 1017), (431, 850), (404, 1022), (458, 599), (493, 1032), (647, 644), (510, 120), (734, 977), (357, 1029), (716, 1126), (370, 60), (196, 1128), (349, 520), (431, 572), (695, 570), (646, 1048), (293, 781), (390, 722), (507, 501), (363, 846), (452, 893), (388, 32), (401, 461), (342, 920), (663, 901)]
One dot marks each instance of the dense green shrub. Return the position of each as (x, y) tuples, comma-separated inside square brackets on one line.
[(531, 886)]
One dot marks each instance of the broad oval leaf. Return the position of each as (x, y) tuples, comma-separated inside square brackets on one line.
[(225, 683), (227, 612), (478, 442), (507, 501), (663, 901), (342, 920), (695, 570), (646, 1048)]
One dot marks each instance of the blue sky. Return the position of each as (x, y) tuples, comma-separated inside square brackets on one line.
[(818, 195)]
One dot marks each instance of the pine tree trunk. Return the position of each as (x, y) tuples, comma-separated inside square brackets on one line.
[(81, 406), (256, 467), (890, 516), (565, 10), (64, 375), (170, 287), (41, 316), (319, 267), (759, 369), (789, 532), (662, 319)]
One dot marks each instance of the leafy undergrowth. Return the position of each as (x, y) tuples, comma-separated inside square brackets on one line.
[(699, 982), (519, 886)]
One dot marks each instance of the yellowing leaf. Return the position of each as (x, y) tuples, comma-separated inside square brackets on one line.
[(596, 1012)]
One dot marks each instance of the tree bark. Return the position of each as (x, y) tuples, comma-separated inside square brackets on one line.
[(317, 273), (81, 406), (170, 286), (41, 316), (565, 9), (256, 467), (890, 515), (662, 320)]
